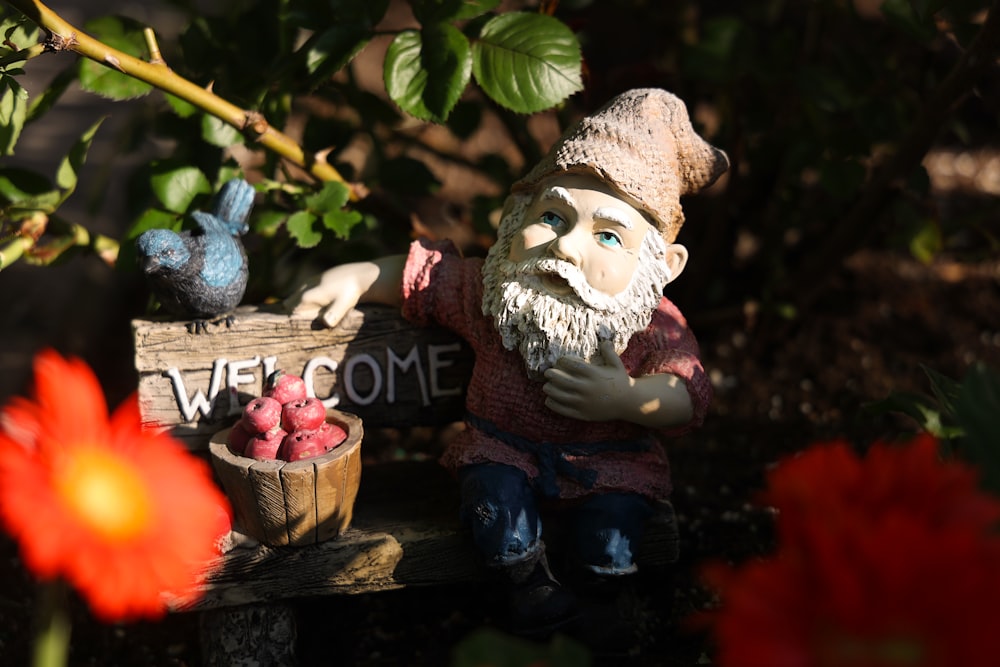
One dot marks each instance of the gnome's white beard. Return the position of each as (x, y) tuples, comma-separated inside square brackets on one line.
[(544, 327)]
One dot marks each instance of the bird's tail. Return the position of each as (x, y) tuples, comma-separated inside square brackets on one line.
[(233, 204)]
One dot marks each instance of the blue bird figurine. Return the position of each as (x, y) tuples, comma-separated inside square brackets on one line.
[(201, 274)]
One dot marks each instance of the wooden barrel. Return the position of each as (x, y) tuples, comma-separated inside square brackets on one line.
[(293, 503)]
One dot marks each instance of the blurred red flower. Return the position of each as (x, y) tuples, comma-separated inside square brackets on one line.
[(125, 515), (884, 561)]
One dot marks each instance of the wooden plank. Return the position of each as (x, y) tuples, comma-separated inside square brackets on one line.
[(266, 482), (338, 477), (298, 483), (405, 533), (374, 364), (333, 500), (234, 473)]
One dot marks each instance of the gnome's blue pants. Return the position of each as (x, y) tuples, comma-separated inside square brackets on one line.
[(500, 506)]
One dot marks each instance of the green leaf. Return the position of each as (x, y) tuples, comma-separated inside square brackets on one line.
[(153, 218), (341, 222), (926, 242), (218, 133), (176, 187), (331, 197), (266, 223), (44, 100), (945, 389), (69, 168), (300, 227), (447, 56), (527, 62), (18, 31), (426, 72), (336, 46), (473, 8), (977, 407), (917, 407), (122, 34), (13, 112), (182, 108), (20, 186), (433, 11)]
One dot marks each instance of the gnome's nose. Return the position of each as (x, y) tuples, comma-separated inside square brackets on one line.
[(566, 248)]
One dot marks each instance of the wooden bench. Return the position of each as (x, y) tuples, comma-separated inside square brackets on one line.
[(405, 529)]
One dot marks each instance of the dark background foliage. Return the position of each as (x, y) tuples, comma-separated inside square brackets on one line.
[(846, 123)]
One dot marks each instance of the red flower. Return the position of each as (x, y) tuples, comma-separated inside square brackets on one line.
[(829, 481), (124, 514), (886, 561)]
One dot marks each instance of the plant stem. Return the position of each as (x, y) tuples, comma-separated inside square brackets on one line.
[(53, 627), (62, 36), (13, 251)]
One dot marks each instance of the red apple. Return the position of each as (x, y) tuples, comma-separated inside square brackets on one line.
[(265, 446), (303, 444), (333, 433), (239, 435), (303, 414), (284, 387), (262, 414)]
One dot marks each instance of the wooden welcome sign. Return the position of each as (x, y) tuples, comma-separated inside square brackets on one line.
[(374, 365)]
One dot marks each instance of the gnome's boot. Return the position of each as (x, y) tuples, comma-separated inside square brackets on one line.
[(608, 613), (538, 603)]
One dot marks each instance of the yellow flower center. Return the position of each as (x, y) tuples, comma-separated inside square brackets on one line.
[(106, 493)]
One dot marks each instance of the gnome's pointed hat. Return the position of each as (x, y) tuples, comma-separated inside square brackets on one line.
[(642, 144)]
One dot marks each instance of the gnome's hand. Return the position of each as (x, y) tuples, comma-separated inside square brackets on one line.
[(330, 295), (602, 392), (589, 391)]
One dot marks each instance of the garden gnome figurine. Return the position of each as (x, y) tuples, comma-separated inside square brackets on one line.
[(582, 365)]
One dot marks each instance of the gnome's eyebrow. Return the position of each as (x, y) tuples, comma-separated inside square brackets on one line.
[(614, 215), (606, 213), (558, 193)]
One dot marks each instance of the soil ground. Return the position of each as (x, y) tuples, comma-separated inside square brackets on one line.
[(777, 391)]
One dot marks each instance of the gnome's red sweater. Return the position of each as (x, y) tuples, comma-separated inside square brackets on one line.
[(508, 420)]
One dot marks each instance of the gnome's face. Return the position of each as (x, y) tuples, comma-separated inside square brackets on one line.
[(577, 219), (575, 264)]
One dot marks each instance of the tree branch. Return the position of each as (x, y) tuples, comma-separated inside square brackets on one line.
[(62, 36)]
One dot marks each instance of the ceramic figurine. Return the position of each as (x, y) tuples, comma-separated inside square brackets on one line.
[(581, 364), (201, 274)]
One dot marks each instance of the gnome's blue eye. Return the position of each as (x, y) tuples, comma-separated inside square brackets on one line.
[(552, 219), (608, 239)]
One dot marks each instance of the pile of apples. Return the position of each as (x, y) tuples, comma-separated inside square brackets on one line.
[(284, 424)]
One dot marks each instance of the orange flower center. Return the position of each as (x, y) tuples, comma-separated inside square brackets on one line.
[(106, 493)]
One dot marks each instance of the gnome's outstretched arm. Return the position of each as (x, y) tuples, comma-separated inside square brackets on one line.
[(334, 292), (594, 392)]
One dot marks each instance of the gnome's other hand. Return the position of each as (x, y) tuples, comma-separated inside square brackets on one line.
[(589, 391)]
